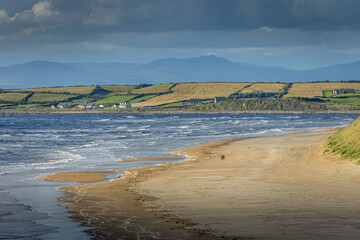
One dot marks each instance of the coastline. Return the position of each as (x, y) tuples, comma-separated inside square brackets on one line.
[(168, 200), (176, 112)]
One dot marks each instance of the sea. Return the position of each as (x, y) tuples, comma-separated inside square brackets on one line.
[(33, 145)]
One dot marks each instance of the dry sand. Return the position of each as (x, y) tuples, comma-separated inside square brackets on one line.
[(275, 187)]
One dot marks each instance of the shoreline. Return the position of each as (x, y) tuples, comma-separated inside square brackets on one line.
[(157, 211), (180, 112)]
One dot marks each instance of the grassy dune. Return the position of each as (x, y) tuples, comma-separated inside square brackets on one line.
[(186, 91), (311, 90), (346, 142)]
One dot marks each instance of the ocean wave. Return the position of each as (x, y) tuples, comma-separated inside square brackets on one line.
[(17, 168), (103, 120), (278, 130), (290, 117)]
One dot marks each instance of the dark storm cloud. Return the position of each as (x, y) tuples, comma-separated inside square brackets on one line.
[(30, 28), (108, 16), (220, 15)]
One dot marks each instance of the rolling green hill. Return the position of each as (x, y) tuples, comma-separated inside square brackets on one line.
[(174, 96)]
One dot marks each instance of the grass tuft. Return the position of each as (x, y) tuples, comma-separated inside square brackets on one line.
[(346, 142)]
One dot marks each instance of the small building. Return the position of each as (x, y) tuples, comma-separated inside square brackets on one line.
[(344, 91), (91, 105), (101, 106), (258, 92), (115, 106), (124, 105), (82, 105), (219, 99), (53, 107), (195, 101), (63, 105)]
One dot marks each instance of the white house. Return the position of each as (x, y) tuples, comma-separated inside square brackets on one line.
[(82, 105), (124, 105), (344, 91), (63, 105), (91, 105)]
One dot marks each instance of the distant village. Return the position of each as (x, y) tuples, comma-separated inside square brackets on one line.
[(123, 105), (89, 105), (127, 104)]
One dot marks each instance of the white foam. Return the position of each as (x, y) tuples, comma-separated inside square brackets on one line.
[(103, 120)]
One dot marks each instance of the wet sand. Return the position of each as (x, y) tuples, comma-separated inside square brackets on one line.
[(149, 159), (274, 187), (81, 176)]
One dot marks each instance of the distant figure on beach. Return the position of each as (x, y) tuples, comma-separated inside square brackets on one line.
[(222, 157)]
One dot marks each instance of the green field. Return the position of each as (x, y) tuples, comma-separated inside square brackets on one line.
[(28, 105), (73, 90), (327, 93), (49, 97), (119, 89), (347, 95), (143, 98), (115, 100), (162, 88), (348, 101), (12, 97), (171, 95)]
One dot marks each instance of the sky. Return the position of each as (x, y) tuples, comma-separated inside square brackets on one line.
[(298, 34)]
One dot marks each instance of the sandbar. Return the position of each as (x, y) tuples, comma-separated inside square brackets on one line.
[(81, 176), (149, 159)]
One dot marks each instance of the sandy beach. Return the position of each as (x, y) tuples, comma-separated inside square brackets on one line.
[(273, 187)]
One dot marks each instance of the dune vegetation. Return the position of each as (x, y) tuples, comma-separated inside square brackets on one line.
[(346, 142)]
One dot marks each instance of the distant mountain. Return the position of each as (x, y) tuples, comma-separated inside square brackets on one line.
[(199, 69)]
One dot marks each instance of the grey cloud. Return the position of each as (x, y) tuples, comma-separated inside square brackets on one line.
[(181, 23), (222, 15), (109, 16)]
